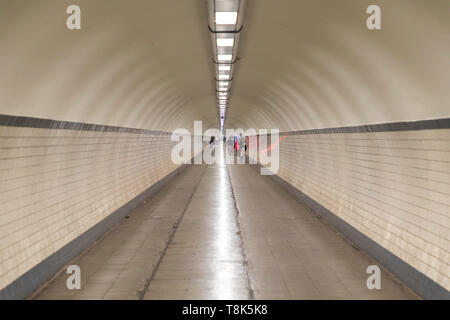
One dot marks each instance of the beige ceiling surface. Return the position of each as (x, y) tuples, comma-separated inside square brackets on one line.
[(134, 63), (314, 64), (303, 63)]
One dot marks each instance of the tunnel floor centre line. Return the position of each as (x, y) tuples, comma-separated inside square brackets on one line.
[(205, 258), (141, 293), (251, 292)]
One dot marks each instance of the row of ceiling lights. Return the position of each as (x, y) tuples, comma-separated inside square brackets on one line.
[(225, 40)]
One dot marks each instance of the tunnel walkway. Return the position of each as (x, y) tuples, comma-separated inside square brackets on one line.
[(223, 232), (205, 259), (292, 254)]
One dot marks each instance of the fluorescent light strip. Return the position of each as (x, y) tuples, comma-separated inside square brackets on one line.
[(226, 17), (225, 42), (224, 57)]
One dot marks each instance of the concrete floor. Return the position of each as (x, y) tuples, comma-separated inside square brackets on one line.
[(223, 232)]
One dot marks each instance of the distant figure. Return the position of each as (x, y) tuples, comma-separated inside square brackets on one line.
[(224, 139), (230, 144), (236, 145), (212, 140), (241, 144)]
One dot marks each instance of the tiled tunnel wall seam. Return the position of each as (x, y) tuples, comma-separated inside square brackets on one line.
[(43, 123), (392, 186), (57, 183)]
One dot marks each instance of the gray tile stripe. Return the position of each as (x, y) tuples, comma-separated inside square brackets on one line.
[(29, 122), (443, 123)]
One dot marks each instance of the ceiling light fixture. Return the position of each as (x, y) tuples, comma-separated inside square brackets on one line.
[(225, 26), (225, 42), (224, 57), (226, 17)]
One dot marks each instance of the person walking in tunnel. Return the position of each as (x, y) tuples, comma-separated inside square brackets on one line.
[(230, 144), (241, 145)]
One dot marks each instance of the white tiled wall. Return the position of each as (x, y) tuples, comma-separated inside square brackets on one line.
[(56, 184), (394, 187)]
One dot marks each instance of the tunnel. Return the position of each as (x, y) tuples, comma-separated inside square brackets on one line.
[(224, 149)]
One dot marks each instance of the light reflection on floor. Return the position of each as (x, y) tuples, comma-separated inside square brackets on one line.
[(209, 233)]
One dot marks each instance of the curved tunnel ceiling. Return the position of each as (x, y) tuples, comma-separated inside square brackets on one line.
[(303, 64), (314, 64), (143, 64)]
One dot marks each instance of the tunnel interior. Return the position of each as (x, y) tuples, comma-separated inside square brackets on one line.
[(86, 117)]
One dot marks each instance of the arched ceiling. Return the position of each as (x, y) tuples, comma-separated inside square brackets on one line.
[(140, 63), (303, 63), (308, 64)]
